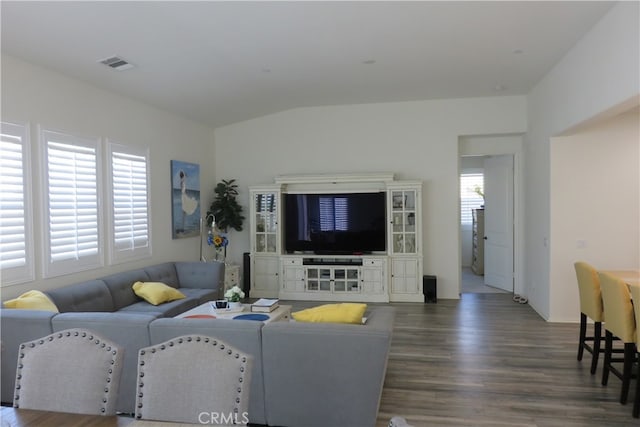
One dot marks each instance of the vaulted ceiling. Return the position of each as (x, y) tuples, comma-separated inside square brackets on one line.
[(223, 62)]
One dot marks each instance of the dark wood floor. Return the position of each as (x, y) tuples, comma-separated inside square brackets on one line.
[(487, 361)]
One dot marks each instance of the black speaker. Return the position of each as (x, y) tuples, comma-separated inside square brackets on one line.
[(246, 273), (430, 289)]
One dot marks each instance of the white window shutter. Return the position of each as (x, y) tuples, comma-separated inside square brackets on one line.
[(469, 198), (341, 205), (326, 214), (334, 213), (129, 231), (72, 207), (16, 243)]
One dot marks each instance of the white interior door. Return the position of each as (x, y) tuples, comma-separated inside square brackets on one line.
[(498, 222)]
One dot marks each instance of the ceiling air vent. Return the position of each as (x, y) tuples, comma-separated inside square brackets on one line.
[(116, 63)]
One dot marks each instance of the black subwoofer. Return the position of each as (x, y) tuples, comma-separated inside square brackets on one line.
[(430, 289), (246, 273)]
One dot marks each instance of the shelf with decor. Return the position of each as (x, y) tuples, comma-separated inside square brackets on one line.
[(265, 241)]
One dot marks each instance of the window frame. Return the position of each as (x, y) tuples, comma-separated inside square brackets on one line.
[(25, 273), (59, 268), (120, 256)]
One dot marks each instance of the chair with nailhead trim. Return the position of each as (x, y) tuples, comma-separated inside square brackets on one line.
[(74, 370), (193, 379)]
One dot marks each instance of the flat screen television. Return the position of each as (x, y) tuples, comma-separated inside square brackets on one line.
[(340, 224)]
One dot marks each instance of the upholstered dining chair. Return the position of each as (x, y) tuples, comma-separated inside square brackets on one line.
[(635, 294), (590, 307), (620, 323), (74, 371), (193, 379)]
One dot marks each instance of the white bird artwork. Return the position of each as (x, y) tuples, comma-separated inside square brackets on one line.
[(189, 204)]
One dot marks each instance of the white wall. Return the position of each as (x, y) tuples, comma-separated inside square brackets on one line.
[(599, 74), (415, 140), (35, 95), (472, 164), (595, 203)]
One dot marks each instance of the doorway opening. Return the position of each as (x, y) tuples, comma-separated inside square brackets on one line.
[(472, 226), (499, 159), (486, 266)]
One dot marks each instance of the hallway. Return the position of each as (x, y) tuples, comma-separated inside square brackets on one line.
[(474, 284)]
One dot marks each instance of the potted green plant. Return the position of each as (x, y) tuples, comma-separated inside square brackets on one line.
[(225, 210), (234, 295)]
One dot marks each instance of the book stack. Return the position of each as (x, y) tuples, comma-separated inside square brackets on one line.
[(264, 305)]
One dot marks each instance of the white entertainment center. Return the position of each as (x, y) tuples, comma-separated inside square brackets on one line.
[(392, 274)]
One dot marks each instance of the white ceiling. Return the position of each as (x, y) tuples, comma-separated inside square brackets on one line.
[(223, 62)]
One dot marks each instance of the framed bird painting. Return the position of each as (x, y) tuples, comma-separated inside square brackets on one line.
[(185, 199)]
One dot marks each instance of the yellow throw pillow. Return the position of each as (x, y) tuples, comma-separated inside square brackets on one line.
[(32, 300), (156, 292), (332, 313)]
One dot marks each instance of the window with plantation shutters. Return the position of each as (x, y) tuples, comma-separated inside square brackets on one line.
[(16, 241), (333, 213), (471, 195), (129, 203), (72, 220)]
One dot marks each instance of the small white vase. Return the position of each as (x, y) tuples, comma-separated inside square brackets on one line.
[(235, 305), (220, 254)]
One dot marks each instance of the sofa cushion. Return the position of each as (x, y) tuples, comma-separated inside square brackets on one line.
[(200, 275), (326, 357), (165, 273), (120, 286), (32, 300), (332, 313), (92, 295), (156, 292), (167, 309), (202, 295)]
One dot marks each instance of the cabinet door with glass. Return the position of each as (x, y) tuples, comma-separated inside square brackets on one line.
[(346, 279), (404, 214), (265, 231), (319, 279)]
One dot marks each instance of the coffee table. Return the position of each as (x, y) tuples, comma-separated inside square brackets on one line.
[(282, 313)]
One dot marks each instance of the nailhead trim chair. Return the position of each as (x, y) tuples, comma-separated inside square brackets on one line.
[(591, 307), (193, 379), (620, 323), (74, 371)]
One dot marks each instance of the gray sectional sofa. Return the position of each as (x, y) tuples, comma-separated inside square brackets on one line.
[(109, 307), (304, 375)]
